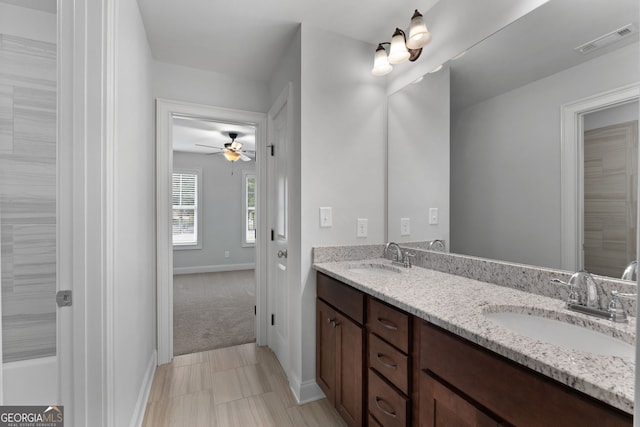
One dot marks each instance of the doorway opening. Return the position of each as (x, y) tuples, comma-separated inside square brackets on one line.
[(574, 121), (610, 190), (210, 207), (213, 234)]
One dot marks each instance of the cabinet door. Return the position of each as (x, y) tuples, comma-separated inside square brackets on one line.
[(349, 352), (440, 406), (326, 349)]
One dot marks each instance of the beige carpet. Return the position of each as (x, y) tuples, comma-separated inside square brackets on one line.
[(213, 310)]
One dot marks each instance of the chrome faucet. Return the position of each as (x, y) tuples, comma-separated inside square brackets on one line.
[(630, 273), (584, 279), (400, 258)]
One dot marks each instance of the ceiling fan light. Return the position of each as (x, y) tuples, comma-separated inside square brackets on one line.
[(398, 52), (419, 35), (232, 156), (381, 64)]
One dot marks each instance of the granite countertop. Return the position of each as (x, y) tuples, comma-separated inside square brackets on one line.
[(457, 304)]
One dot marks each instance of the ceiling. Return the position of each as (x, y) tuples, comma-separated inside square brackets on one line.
[(537, 45), (187, 132), (247, 38)]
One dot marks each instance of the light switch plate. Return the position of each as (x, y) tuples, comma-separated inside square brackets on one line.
[(405, 226), (363, 227), (326, 217), (433, 216)]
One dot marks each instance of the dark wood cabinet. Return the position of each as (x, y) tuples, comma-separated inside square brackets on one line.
[(411, 372), (340, 348), (510, 392), (443, 407), (326, 350)]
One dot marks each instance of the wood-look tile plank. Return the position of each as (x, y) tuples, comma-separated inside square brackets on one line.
[(277, 410), (251, 390), (189, 359), (320, 414), (160, 386), (178, 381), (236, 413), (226, 386), (199, 378), (253, 380)]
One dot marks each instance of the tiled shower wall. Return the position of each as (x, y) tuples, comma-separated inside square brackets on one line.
[(28, 197)]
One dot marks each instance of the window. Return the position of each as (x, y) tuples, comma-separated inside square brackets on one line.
[(249, 202), (186, 217)]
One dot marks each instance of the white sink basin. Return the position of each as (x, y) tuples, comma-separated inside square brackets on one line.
[(563, 334), (374, 269)]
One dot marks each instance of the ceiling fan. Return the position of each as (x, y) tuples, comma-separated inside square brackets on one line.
[(232, 151)]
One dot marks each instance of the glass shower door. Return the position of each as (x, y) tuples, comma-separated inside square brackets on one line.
[(28, 213)]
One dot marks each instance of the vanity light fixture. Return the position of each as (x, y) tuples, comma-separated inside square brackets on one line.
[(401, 48), (398, 52), (381, 64)]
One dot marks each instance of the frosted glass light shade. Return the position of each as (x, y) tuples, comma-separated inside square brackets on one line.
[(398, 52), (419, 35), (232, 156), (381, 64)]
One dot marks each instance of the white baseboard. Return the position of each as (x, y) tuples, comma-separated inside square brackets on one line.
[(141, 404), (213, 268), (305, 392)]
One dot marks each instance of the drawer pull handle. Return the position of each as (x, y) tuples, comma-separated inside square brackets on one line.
[(389, 412), (387, 324), (389, 365), (330, 320)]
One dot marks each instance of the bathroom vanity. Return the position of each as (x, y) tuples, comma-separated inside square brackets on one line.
[(401, 347)]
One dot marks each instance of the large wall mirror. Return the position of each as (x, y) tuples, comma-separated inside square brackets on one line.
[(476, 155)]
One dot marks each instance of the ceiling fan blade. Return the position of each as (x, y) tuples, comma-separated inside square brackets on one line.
[(235, 145), (209, 154), (210, 146), (244, 158)]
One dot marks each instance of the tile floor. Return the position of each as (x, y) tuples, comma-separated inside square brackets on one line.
[(241, 386)]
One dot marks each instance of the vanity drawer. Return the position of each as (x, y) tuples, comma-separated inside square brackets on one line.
[(389, 323), (348, 300), (373, 422), (389, 362), (388, 406)]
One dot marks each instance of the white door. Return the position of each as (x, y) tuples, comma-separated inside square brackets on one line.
[(277, 258)]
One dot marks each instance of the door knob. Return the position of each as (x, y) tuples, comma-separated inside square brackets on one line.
[(282, 253)]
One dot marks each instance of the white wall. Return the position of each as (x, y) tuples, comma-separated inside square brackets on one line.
[(611, 116), (505, 162), (179, 83), (343, 158), (134, 233), (222, 212), (418, 159)]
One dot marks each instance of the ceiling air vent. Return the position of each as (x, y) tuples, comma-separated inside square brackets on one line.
[(606, 39)]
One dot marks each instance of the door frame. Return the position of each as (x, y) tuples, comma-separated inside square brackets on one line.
[(572, 168), (165, 109)]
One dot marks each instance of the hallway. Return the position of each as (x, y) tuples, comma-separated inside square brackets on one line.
[(240, 386)]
